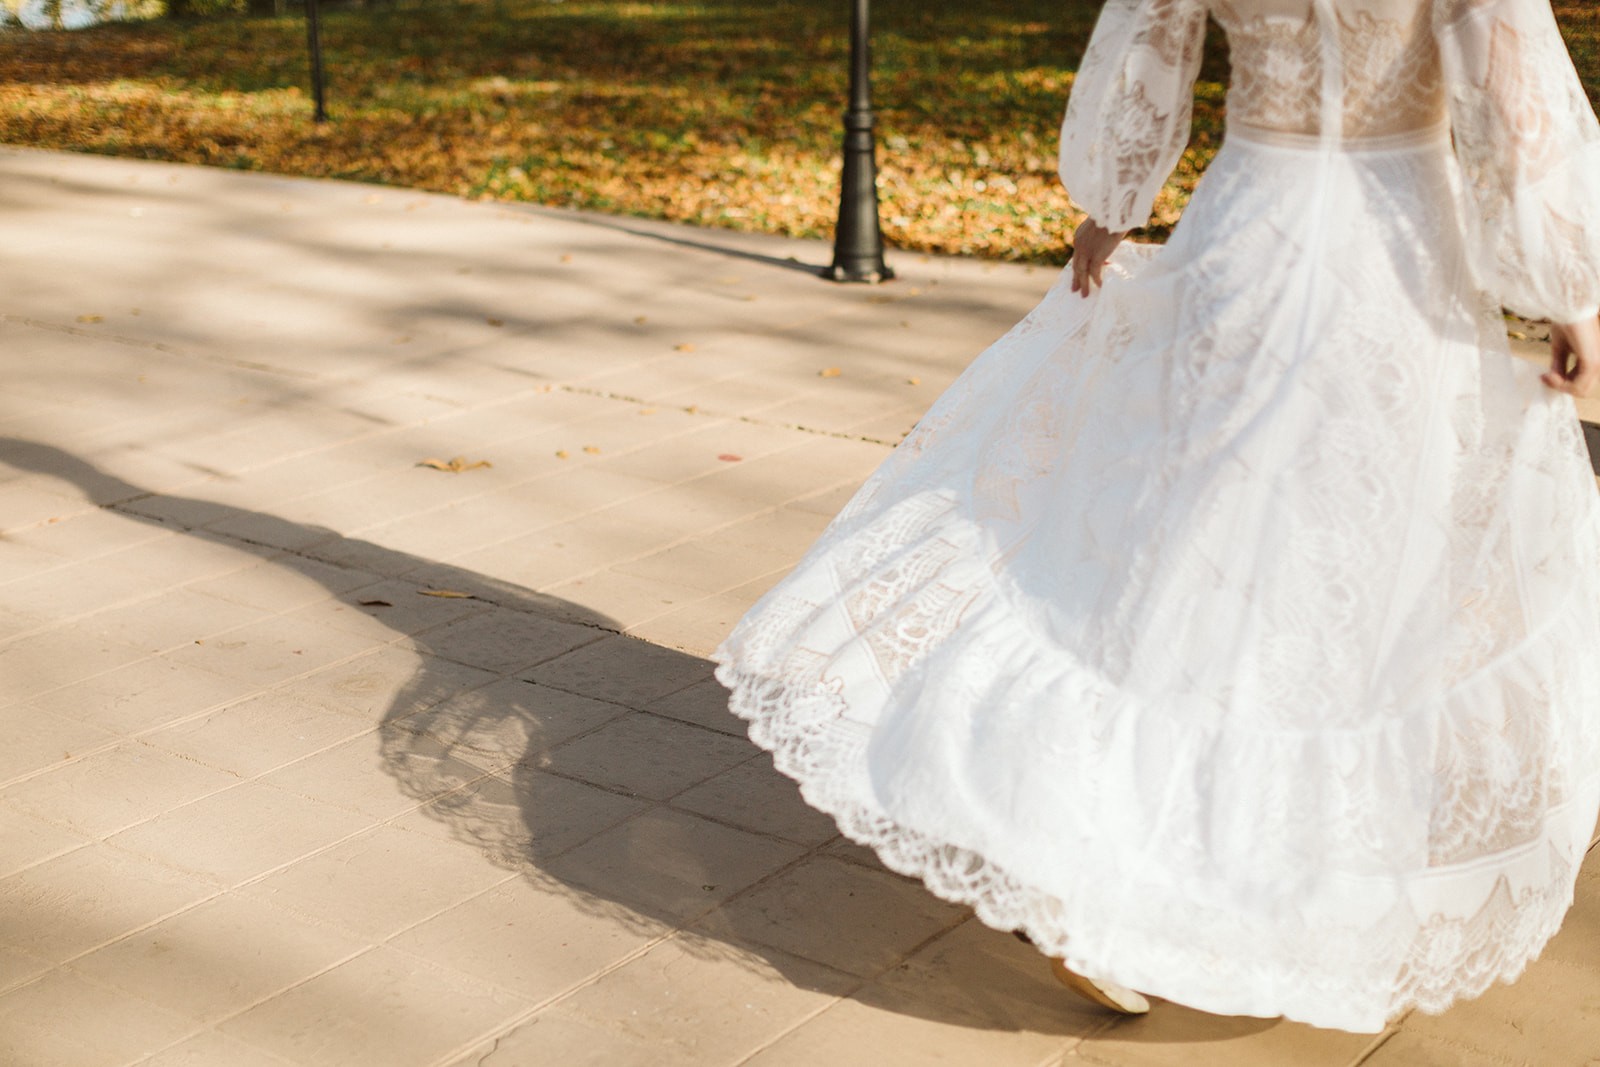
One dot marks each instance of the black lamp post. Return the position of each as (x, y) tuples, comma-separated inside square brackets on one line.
[(858, 242), (314, 43)]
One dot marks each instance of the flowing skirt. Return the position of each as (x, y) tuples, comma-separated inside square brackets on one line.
[(1234, 632)]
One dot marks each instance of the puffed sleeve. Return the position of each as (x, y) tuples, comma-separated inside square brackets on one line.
[(1529, 148), (1128, 117)]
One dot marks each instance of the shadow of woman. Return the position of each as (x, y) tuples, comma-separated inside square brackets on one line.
[(609, 770)]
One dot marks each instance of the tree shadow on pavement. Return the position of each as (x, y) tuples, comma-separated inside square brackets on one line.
[(610, 770)]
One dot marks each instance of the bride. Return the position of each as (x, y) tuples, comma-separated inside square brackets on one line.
[(1229, 629)]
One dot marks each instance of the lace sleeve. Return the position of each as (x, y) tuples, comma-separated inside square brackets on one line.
[(1529, 147), (1128, 118)]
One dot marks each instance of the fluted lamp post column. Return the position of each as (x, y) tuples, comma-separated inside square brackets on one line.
[(858, 242)]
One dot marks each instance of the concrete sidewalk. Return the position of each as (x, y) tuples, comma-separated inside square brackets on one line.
[(316, 755)]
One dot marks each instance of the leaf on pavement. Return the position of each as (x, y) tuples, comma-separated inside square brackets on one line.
[(496, 322), (685, 347), (448, 594), (376, 604), (91, 318), (563, 454), (829, 372), (591, 449), (454, 466), (729, 457)]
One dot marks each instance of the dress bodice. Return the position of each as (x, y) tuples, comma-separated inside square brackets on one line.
[(1390, 72), (1357, 74)]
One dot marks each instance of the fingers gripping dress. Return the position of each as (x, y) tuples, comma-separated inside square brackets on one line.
[(1236, 632)]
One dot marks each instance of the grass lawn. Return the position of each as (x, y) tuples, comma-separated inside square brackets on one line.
[(720, 112)]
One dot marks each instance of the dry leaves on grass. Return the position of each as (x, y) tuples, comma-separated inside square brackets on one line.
[(454, 466), (722, 112)]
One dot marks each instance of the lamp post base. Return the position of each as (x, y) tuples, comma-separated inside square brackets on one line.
[(870, 273)]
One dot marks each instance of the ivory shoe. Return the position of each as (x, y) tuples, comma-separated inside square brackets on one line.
[(1099, 991)]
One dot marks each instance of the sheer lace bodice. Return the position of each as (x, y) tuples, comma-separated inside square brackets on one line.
[(1390, 73), (1526, 138)]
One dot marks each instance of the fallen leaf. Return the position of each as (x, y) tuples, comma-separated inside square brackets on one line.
[(639, 318), (693, 409), (685, 347), (447, 594), (729, 457), (91, 318), (496, 322), (454, 466), (648, 411), (591, 449), (829, 372), (566, 259), (913, 381), (563, 454), (376, 604)]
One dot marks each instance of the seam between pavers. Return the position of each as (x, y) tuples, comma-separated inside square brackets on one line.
[(1072, 1043), (753, 420), (964, 915), (709, 596), (396, 642), (674, 933), (501, 1029), (120, 507), (1390, 1031)]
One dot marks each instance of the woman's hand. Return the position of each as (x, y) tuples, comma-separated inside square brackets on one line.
[(1092, 245), (1574, 357)]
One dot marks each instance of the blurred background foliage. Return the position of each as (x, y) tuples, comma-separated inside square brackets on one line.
[(718, 112)]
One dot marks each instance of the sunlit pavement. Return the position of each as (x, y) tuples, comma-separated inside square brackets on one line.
[(315, 753)]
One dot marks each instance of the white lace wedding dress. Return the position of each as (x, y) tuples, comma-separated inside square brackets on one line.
[(1236, 632)]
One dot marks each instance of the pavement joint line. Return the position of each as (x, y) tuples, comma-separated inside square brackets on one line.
[(224, 890), (159, 346), (676, 933), (696, 409), (496, 1033), (396, 642), (1378, 1042), (965, 914)]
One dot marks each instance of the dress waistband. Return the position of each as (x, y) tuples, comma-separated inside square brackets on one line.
[(1427, 137)]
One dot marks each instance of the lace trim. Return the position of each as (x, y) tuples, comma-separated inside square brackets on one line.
[(1447, 957)]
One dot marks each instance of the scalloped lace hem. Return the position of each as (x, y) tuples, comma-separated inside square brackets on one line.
[(1446, 959)]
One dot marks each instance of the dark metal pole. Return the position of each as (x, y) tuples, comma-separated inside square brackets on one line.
[(858, 242), (314, 40)]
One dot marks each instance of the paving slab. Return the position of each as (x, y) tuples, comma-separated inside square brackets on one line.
[(318, 753)]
